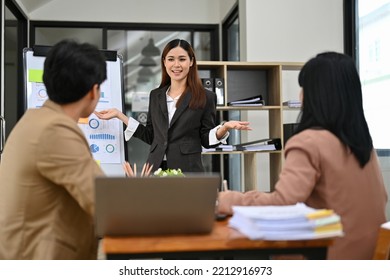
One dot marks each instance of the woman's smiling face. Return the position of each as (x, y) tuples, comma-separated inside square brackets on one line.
[(177, 64)]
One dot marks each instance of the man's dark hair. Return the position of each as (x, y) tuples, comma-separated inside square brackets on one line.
[(71, 69)]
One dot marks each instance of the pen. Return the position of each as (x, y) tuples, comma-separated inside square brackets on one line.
[(224, 186)]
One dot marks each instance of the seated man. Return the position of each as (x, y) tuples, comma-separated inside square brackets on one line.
[(47, 171)]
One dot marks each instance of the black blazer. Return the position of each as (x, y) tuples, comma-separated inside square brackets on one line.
[(182, 141)]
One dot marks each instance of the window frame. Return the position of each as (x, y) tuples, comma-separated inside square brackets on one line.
[(351, 36), (213, 29)]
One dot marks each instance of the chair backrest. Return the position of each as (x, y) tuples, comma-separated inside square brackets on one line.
[(382, 250)]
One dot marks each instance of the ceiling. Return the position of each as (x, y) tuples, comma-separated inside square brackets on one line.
[(32, 5)]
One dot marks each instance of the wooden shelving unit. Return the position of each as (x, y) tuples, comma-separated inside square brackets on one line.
[(246, 79)]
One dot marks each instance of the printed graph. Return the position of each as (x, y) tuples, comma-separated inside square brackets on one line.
[(94, 148), (102, 136)]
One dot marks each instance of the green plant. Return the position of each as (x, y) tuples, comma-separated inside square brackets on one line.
[(169, 172)]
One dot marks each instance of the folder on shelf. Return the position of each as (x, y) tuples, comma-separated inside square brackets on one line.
[(226, 148), (270, 144), (208, 83), (220, 148), (219, 91), (292, 103), (250, 101), (288, 130)]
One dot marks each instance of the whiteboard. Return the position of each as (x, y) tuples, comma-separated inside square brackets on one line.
[(105, 137)]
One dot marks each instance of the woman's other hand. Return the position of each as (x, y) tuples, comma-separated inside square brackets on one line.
[(238, 125), (107, 114), (226, 126)]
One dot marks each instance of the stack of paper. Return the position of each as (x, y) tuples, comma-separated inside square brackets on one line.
[(292, 222)]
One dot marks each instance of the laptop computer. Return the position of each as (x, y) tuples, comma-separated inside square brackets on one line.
[(156, 205)]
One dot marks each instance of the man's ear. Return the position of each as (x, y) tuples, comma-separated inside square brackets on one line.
[(95, 92)]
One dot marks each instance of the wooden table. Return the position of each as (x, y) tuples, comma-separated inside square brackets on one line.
[(222, 243)]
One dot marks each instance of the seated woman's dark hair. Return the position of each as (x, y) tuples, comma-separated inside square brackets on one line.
[(332, 100)]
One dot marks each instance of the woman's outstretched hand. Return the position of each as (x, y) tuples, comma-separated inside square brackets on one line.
[(108, 114), (238, 125)]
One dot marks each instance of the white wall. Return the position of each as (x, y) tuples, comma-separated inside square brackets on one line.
[(151, 11), (285, 30)]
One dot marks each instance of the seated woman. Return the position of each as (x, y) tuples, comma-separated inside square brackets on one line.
[(330, 161)]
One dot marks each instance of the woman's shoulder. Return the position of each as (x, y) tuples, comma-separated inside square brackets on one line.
[(157, 92), (317, 137), (316, 132), (315, 144), (159, 89)]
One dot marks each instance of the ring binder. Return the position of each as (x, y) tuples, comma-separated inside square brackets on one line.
[(219, 90)]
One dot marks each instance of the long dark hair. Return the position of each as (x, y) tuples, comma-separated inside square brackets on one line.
[(332, 100), (194, 84)]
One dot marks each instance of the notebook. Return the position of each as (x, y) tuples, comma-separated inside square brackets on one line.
[(156, 205)]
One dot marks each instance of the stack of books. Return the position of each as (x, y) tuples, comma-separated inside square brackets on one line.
[(291, 222)]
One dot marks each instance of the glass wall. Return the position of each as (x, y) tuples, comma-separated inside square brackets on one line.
[(48, 36)]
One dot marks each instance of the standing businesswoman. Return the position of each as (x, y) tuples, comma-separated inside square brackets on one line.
[(181, 116), (330, 161)]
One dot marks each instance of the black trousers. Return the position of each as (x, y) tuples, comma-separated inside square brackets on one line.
[(164, 165)]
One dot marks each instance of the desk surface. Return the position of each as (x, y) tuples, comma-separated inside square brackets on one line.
[(222, 240)]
